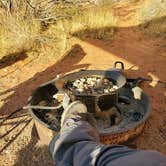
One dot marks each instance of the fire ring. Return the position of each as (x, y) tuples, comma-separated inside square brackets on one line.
[(133, 112)]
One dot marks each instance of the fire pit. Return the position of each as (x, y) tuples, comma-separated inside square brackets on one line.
[(119, 107)]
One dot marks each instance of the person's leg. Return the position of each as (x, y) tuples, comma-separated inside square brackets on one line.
[(76, 135), (77, 144)]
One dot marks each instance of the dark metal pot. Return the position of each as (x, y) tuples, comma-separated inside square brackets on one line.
[(100, 101)]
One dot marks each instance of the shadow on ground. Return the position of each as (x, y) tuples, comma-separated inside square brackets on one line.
[(15, 136), (12, 58), (34, 154), (132, 45), (68, 63), (19, 99), (140, 50)]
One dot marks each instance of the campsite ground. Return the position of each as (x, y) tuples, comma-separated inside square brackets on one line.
[(143, 56)]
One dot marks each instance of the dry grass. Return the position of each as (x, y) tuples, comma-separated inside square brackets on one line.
[(48, 28), (18, 31), (152, 14), (48, 31), (97, 22)]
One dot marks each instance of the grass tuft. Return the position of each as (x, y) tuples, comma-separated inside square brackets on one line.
[(152, 15)]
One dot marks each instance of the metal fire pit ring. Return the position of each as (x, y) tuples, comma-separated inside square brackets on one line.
[(46, 132), (121, 133)]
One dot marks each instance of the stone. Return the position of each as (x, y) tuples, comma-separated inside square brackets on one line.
[(115, 87), (106, 91)]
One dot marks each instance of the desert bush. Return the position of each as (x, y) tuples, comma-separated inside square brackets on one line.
[(18, 30), (48, 27), (151, 15), (94, 22), (17, 34)]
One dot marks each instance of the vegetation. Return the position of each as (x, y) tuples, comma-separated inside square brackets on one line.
[(152, 19), (47, 28)]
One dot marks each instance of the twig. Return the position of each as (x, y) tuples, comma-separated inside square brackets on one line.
[(42, 107), (55, 18), (47, 18), (10, 115), (30, 5), (10, 6)]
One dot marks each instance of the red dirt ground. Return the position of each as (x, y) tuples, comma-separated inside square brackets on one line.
[(142, 55)]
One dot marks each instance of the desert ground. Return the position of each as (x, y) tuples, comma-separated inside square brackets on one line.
[(143, 56)]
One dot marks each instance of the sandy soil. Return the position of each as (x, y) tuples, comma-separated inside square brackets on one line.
[(142, 55)]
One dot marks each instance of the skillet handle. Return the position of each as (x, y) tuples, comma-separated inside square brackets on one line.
[(121, 65)]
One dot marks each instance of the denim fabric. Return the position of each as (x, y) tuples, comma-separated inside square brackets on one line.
[(77, 145)]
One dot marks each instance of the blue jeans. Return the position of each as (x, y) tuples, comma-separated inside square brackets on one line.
[(77, 144)]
